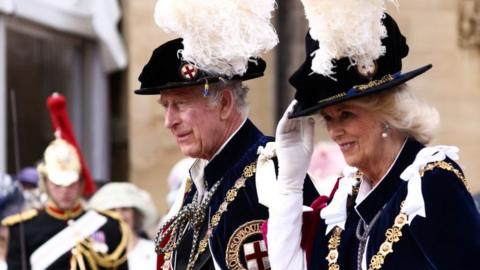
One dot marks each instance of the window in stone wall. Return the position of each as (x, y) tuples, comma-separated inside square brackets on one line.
[(39, 61), (38, 65)]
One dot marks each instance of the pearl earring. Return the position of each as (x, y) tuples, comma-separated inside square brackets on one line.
[(386, 127)]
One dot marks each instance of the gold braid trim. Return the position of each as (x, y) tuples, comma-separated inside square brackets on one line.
[(166, 261), (336, 237), (445, 166), (85, 250), (73, 259), (333, 244), (90, 259), (394, 234), (76, 261), (20, 217), (119, 255), (79, 253)]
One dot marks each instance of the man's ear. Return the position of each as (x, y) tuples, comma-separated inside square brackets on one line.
[(227, 104)]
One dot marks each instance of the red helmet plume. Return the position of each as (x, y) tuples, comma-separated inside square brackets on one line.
[(62, 126)]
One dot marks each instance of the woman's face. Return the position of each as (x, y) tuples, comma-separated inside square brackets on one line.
[(357, 132), (128, 215)]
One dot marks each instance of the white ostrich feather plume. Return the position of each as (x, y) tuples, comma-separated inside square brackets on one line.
[(219, 36), (345, 28)]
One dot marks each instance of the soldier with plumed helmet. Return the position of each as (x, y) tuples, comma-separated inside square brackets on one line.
[(65, 235)]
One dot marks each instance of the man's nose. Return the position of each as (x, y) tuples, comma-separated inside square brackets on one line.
[(170, 118)]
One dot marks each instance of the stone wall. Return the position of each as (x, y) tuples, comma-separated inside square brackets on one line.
[(453, 84)]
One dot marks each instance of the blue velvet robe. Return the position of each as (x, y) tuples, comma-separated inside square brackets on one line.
[(448, 238), (228, 165)]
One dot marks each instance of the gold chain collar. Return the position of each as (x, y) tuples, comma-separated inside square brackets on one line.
[(231, 194), (393, 234)]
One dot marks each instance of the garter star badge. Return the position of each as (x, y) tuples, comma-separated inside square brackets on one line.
[(188, 71), (246, 248), (367, 70)]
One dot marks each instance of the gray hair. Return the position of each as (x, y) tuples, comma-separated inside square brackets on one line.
[(238, 89), (402, 110)]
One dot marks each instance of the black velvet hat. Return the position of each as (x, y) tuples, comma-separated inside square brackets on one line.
[(167, 70), (315, 91)]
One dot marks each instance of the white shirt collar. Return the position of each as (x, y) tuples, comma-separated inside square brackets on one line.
[(366, 189), (198, 167)]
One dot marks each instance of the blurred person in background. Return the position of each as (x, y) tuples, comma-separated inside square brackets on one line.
[(11, 197), (138, 211), (33, 195), (16, 195), (326, 166), (177, 178), (64, 235), (49, 238), (11, 202)]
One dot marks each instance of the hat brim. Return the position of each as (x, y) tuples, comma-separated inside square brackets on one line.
[(169, 86), (301, 110)]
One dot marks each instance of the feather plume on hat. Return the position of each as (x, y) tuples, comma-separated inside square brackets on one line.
[(345, 28), (63, 128), (219, 36)]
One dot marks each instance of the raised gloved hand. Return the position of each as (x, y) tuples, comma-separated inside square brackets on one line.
[(294, 147)]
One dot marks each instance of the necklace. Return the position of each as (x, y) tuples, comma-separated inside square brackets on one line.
[(191, 216), (362, 237), (232, 193), (175, 227), (392, 235)]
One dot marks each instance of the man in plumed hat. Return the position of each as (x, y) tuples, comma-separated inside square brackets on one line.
[(65, 235), (216, 223)]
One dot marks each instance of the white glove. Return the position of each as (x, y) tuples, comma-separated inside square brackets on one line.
[(294, 147)]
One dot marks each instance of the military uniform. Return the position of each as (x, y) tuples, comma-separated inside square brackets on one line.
[(105, 248), (234, 216), (64, 235)]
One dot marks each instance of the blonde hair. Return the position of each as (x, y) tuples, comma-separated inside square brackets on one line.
[(402, 110)]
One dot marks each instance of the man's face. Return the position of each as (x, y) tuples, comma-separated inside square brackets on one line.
[(196, 124), (64, 197)]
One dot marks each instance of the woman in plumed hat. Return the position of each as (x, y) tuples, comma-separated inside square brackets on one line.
[(402, 204)]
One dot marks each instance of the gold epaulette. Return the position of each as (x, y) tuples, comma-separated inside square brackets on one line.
[(445, 166), (23, 216)]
